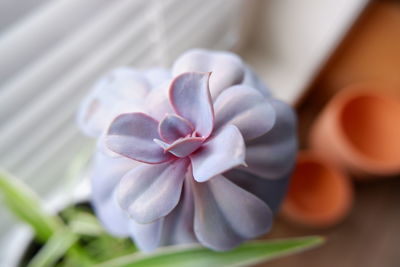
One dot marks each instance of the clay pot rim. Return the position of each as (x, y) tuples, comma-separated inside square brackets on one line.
[(352, 154), (328, 218)]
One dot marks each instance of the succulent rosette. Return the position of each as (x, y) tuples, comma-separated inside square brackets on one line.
[(201, 153)]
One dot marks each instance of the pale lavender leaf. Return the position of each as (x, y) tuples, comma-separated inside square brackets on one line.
[(178, 225), (271, 191), (111, 216), (101, 147), (227, 68), (173, 127), (150, 192), (185, 146), (121, 90), (251, 79), (131, 135), (146, 236), (182, 147), (161, 143), (271, 161), (157, 76), (226, 215), (157, 102), (273, 155), (190, 98), (220, 153), (106, 173), (247, 109)]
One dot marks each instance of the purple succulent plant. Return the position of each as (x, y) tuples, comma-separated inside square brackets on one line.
[(201, 154)]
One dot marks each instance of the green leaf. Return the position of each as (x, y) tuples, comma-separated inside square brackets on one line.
[(54, 249), (195, 255), (25, 204), (84, 223), (105, 247)]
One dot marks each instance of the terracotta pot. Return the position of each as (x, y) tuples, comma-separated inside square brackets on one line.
[(359, 130), (320, 194)]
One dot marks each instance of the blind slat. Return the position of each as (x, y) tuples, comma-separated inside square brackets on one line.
[(28, 147), (52, 146), (207, 17), (72, 86), (10, 13), (34, 34), (52, 65)]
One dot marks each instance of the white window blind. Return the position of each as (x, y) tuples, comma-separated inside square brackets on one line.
[(51, 51)]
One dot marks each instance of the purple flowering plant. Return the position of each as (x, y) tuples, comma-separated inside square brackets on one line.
[(201, 153)]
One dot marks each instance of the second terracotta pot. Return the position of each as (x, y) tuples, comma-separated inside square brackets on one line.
[(359, 130), (319, 195)]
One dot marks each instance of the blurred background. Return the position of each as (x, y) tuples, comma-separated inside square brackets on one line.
[(52, 51)]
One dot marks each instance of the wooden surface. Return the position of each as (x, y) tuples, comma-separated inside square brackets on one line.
[(370, 235)]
